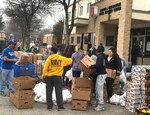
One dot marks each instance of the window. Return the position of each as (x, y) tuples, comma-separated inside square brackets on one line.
[(72, 40), (88, 7), (86, 40), (78, 39), (81, 10), (109, 40)]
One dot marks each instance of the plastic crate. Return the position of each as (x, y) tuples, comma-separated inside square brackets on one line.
[(28, 70)]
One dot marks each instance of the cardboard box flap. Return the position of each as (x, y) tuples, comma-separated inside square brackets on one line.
[(87, 61)]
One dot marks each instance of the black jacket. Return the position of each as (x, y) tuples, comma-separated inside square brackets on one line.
[(114, 63), (100, 64)]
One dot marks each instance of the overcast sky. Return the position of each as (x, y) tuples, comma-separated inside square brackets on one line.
[(49, 21)]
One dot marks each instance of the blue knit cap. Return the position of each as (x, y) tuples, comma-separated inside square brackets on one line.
[(11, 42)]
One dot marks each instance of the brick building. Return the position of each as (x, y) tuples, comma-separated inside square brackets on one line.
[(117, 23)]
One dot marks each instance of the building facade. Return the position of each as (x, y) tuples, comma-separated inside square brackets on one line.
[(118, 23), (49, 39)]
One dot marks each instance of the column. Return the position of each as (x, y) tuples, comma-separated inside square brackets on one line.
[(99, 33), (124, 29)]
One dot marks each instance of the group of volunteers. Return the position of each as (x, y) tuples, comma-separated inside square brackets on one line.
[(55, 66)]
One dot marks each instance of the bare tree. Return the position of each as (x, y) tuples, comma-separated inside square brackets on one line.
[(66, 4), (58, 31), (26, 13), (1, 23)]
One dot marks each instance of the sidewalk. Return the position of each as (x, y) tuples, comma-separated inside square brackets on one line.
[(7, 108)]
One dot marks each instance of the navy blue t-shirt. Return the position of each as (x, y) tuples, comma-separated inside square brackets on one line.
[(9, 53)]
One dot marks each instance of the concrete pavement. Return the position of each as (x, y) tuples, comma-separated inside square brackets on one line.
[(7, 108)]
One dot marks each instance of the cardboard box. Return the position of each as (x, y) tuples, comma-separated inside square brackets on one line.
[(30, 59), (37, 57), (23, 94), (23, 59), (21, 104), (40, 66), (18, 53), (83, 83), (87, 61), (21, 83), (110, 73), (86, 71), (81, 94), (24, 104), (79, 105)]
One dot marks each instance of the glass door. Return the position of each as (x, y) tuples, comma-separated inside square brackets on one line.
[(141, 42)]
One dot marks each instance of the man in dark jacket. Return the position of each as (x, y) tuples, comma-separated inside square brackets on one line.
[(101, 72)]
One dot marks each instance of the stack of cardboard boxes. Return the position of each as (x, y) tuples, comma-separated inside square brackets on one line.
[(22, 97), (81, 95)]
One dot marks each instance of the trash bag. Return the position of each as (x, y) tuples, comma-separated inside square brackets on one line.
[(122, 99), (122, 77), (69, 74), (40, 94), (114, 99)]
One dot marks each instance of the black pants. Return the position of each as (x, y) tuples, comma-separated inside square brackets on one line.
[(57, 83), (109, 84), (94, 77), (134, 59)]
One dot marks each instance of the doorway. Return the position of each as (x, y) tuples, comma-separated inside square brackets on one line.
[(141, 42)]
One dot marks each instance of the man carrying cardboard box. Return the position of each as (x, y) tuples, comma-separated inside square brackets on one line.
[(101, 72), (52, 73)]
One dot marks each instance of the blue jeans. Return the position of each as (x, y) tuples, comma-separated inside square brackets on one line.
[(0, 78), (7, 76)]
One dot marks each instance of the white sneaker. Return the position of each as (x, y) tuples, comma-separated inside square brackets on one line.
[(99, 108)]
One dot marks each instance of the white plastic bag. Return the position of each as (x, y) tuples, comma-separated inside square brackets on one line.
[(69, 74), (114, 99), (122, 77), (122, 99), (40, 94)]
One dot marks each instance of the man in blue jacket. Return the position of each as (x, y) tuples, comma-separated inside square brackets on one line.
[(101, 72), (7, 74)]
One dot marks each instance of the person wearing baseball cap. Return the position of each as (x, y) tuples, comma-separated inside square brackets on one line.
[(9, 59)]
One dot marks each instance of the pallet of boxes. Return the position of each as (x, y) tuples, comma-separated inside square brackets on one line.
[(138, 93), (23, 96), (81, 94)]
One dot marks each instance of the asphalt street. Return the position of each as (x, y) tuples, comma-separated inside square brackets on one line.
[(7, 108)]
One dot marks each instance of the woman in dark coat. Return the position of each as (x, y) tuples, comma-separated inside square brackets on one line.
[(113, 65)]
